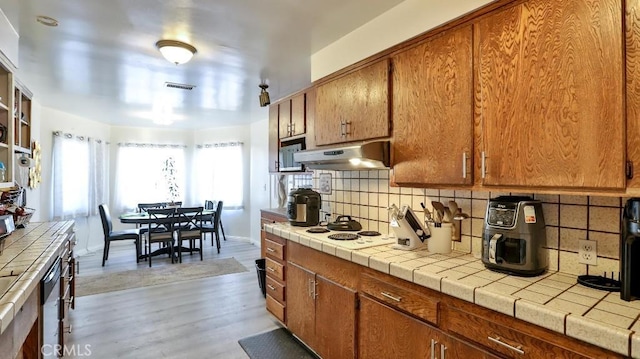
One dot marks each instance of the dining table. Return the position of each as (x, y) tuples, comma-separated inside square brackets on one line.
[(143, 218)]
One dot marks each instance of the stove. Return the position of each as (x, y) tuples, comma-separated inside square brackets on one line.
[(344, 239)]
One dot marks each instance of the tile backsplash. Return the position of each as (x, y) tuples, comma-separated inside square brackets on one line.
[(365, 196)]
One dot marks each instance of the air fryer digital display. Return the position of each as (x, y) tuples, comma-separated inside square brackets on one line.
[(502, 214)]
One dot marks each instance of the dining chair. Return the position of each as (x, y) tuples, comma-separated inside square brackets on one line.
[(110, 235), (214, 227), (143, 207), (211, 205), (160, 229), (189, 229)]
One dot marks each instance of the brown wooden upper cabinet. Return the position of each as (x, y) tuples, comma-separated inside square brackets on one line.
[(292, 116), (632, 24), (433, 111), (550, 95), (274, 143), (354, 107)]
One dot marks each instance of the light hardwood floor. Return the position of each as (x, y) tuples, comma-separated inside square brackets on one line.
[(201, 318)]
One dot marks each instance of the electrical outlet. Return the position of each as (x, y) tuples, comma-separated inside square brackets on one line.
[(587, 252)]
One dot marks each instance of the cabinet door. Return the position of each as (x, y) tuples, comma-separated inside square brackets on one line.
[(335, 319), (298, 114), (384, 332), (632, 24), (448, 347), (433, 111), (354, 107), (310, 116), (300, 303), (550, 94), (274, 142), (285, 118)]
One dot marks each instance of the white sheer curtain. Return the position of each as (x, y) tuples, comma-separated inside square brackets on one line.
[(141, 175), (80, 175), (219, 174)]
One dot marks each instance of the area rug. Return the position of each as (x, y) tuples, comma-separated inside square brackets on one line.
[(278, 343), (144, 277)]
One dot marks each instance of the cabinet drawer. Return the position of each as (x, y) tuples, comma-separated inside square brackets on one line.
[(402, 298), (274, 269), (274, 250), (504, 340), (275, 308), (275, 290)]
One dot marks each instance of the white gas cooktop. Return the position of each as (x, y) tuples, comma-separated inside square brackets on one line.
[(359, 243)]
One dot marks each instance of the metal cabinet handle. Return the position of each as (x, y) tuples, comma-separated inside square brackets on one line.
[(347, 125), (343, 128), (315, 289), (293, 129), (433, 348), (498, 340), (390, 296), (270, 250), (270, 269), (68, 329), (442, 351), (484, 164), (271, 287), (464, 165), (309, 288)]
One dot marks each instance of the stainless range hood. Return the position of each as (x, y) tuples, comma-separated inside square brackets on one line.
[(366, 156)]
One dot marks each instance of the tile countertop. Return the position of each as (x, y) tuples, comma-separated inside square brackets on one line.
[(553, 300), (28, 253)]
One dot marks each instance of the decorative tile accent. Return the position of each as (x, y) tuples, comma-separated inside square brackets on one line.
[(427, 279), (499, 302), (541, 315), (603, 335), (457, 289)]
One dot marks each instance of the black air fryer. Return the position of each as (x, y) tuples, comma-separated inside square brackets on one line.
[(630, 250)]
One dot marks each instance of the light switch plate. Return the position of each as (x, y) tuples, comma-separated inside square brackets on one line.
[(324, 183)]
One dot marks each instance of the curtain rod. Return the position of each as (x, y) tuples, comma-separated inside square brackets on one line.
[(78, 137), (221, 144), (150, 145)]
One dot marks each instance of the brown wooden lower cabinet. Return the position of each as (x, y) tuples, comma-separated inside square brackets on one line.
[(385, 332), (387, 317), (321, 313)]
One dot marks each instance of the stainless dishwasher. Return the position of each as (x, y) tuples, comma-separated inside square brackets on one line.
[(50, 302)]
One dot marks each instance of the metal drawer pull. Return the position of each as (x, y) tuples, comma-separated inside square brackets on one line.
[(517, 349), (464, 165), (271, 269), (442, 351), (68, 329), (271, 287), (387, 295), (433, 348), (270, 250)]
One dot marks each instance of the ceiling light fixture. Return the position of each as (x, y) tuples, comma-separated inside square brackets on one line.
[(175, 51), (264, 95), (46, 20)]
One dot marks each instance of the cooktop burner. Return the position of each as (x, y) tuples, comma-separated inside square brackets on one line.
[(369, 233), (344, 236), (317, 230)]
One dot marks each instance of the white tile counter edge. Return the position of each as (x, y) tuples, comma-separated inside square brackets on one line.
[(27, 281), (619, 340)]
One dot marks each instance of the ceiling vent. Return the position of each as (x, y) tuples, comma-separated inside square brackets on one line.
[(174, 85)]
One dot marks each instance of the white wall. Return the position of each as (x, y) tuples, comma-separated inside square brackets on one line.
[(404, 21), (259, 175)]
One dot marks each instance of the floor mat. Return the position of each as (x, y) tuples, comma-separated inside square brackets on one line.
[(275, 344)]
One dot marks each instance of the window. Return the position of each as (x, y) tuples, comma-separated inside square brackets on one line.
[(219, 174), (148, 173), (80, 175)]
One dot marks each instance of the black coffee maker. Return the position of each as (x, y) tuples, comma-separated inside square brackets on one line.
[(630, 250)]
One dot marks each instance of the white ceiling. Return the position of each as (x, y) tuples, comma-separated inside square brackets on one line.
[(101, 62)]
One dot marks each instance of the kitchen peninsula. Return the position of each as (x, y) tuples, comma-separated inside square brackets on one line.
[(458, 305), (27, 255)]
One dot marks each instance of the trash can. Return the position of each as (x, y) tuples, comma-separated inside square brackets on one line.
[(262, 275)]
